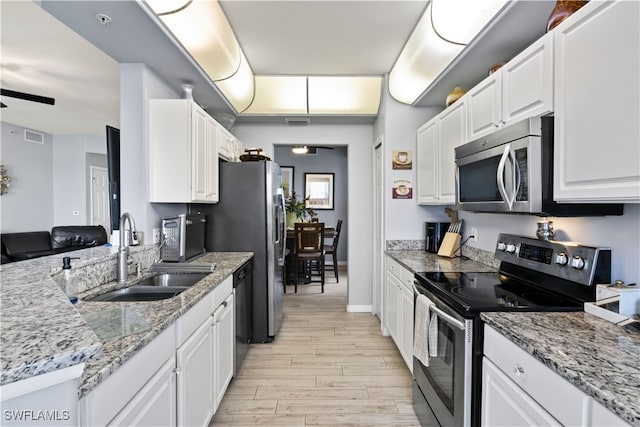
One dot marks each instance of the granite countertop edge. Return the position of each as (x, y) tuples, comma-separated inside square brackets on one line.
[(115, 354), (419, 260), (580, 361)]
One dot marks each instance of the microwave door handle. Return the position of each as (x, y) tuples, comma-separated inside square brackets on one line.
[(500, 176), (515, 178)]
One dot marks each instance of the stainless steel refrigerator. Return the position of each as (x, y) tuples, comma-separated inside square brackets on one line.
[(250, 217)]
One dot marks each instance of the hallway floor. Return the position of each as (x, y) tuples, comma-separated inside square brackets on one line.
[(326, 367)]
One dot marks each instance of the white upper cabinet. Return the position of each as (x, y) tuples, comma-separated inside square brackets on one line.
[(426, 162), (183, 153), (522, 88), (597, 137), (226, 145), (435, 150)]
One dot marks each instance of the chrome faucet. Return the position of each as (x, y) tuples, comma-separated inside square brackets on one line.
[(123, 248)]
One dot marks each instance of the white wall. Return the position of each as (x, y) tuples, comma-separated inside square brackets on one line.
[(359, 142), (70, 183), (139, 84), (403, 218), (28, 205)]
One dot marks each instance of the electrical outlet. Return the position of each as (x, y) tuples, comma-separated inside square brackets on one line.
[(156, 235), (474, 233)]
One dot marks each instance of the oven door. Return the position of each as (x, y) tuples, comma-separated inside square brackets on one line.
[(443, 389)]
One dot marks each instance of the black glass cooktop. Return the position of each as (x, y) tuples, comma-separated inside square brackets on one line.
[(477, 292)]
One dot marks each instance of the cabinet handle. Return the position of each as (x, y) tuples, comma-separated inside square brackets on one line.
[(176, 371), (224, 303), (518, 370)]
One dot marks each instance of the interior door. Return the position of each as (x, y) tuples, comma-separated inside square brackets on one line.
[(99, 204), (377, 233)]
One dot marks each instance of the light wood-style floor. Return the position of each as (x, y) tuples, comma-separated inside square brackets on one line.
[(326, 367)]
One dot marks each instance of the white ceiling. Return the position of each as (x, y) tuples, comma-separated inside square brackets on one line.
[(339, 37), (323, 37), (42, 56)]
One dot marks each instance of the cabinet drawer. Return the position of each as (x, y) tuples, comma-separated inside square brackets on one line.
[(561, 399), (222, 291), (192, 319), (393, 267)]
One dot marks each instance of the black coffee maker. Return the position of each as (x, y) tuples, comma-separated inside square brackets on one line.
[(434, 233)]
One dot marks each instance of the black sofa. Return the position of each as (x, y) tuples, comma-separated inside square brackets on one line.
[(34, 244)]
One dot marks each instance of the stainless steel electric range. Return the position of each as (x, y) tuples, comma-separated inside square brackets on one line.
[(534, 275)]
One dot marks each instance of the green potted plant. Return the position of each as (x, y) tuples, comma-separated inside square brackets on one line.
[(297, 210)]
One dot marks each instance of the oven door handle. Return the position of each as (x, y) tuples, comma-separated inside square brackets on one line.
[(446, 317)]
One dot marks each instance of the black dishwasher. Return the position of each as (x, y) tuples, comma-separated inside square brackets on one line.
[(242, 284)]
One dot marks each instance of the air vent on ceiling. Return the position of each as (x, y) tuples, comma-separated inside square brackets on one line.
[(33, 136), (297, 121)]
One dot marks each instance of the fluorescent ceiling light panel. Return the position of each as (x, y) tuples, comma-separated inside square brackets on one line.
[(461, 20), (427, 54), (344, 95), (279, 95), (202, 28), (239, 89)]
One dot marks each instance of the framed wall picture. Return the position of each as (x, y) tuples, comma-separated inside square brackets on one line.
[(401, 159), (402, 189), (318, 190), (287, 180)]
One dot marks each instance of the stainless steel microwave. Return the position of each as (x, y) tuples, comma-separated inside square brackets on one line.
[(511, 171)]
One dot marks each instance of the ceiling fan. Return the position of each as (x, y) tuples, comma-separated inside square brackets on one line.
[(26, 96)]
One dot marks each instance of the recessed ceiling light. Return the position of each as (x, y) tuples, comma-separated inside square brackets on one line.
[(300, 150)]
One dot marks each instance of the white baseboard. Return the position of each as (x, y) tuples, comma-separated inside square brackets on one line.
[(360, 308)]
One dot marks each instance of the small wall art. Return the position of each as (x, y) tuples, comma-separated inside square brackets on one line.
[(402, 189), (401, 159), (287, 179)]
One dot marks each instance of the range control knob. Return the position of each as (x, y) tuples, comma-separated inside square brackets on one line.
[(502, 246), (561, 259), (577, 262), (511, 248)]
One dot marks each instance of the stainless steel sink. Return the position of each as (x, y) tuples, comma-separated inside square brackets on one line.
[(139, 293), (157, 287), (172, 279)]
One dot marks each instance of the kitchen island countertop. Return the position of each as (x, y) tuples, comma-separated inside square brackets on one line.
[(126, 327), (598, 357)]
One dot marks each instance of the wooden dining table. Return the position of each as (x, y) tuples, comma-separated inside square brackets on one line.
[(329, 232)]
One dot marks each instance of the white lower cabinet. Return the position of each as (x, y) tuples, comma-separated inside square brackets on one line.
[(223, 339), (397, 308), (155, 404), (195, 372), (179, 378), (519, 390)]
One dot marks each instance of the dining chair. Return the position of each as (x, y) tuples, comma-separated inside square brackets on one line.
[(332, 250), (309, 251)]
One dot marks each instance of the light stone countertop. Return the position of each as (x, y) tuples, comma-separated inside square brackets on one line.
[(126, 327), (417, 261), (597, 356), (41, 331)]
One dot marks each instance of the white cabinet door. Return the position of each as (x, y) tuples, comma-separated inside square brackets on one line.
[(527, 82), (183, 159), (226, 144), (199, 160), (506, 404), (484, 104), (522, 88), (224, 338), (406, 325), (196, 378), (452, 125), (597, 104), (155, 404), (212, 193), (391, 305), (426, 162)]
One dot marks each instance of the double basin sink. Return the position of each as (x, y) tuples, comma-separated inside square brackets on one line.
[(157, 287)]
